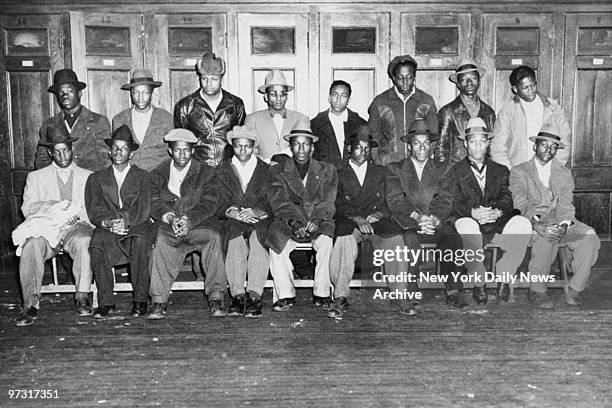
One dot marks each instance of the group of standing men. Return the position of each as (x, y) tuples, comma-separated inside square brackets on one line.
[(246, 190)]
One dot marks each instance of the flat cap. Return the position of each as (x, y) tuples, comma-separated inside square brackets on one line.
[(180, 135)]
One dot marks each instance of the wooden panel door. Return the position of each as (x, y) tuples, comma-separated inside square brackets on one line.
[(438, 42), (273, 41), (510, 40), (175, 42), (587, 90), (32, 48), (354, 47), (105, 48)]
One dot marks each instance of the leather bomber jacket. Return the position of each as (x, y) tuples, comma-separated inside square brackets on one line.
[(193, 113)]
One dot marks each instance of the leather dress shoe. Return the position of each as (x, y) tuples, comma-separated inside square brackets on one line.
[(253, 307), (480, 295), (572, 297), (216, 307), (503, 292), (237, 306), (540, 300), (324, 303), (139, 309), (158, 311), (282, 305), (27, 316), (103, 311), (338, 308), (83, 307), (456, 300)]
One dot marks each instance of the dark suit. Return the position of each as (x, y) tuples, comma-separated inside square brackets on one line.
[(326, 148), (108, 249), (89, 152)]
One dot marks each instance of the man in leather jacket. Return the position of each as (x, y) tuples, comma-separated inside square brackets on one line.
[(210, 112), (453, 117)]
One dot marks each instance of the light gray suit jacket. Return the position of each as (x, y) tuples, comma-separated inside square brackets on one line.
[(270, 142)]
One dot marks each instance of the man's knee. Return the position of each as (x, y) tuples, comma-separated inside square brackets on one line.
[(34, 244), (518, 225), (466, 226)]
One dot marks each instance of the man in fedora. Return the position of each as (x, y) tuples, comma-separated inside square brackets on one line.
[(335, 125), (90, 128), (523, 116), (474, 195), (61, 181), (453, 117), (361, 214), (303, 196), (148, 123), (412, 185), (210, 112), (273, 123), (118, 200), (244, 187), (183, 206), (393, 111), (543, 190)]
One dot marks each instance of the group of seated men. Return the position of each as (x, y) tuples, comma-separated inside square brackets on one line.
[(245, 190)]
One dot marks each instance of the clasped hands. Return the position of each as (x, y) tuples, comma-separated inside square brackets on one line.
[(115, 225), (248, 215), (364, 224), (301, 231), (486, 215), (427, 223), (550, 232)]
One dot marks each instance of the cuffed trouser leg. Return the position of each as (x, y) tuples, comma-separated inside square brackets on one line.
[(584, 244), (208, 242), (469, 230), (258, 265), (322, 283), (342, 262), (139, 267), (166, 260), (76, 244), (236, 264), (281, 270), (513, 240), (34, 253), (103, 274)]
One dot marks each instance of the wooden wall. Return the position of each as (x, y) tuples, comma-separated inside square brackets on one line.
[(569, 42)]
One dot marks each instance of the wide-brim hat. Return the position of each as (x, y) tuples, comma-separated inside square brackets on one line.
[(141, 77), (65, 76), (362, 133), (549, 133), (123, 133), (180, 135), (274, 77), (56, 134), (243, 132), (419, 127), (475, 126), (400, 59), (210, 64), (301, 132), (464, 67)]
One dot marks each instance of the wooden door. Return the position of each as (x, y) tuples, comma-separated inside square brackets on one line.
[(438, 42), (175, 42), (273, 41), (354, 47), (105, 48), (587, 100), (511, 40), (32, 48)]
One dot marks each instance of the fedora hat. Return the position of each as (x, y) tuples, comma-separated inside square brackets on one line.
[(123, 133), (362, 133), (65, 76), (419, 127), (301, 132), (56, 134), (400, 59), (243, 132), (209, 64), (274, 77), (180, 135), (464, 67), (475, 126), (141, 77), (549, 132)]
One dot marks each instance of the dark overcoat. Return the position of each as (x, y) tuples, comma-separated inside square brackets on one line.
[(326, 148)]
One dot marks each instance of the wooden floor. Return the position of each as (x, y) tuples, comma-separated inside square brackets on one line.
[(496, 356)]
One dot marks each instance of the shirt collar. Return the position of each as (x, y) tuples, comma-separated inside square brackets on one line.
[(147, 112), (283, 113), (356, 166), (127, 168), (341, 117), (183, 171), (58, 168), (401, 96), (541, 166), (417, 164), (251, 162)]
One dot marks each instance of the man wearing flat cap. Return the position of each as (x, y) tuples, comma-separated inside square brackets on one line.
[(244, 187), (303, 202), (412, 185), (54, 207), (183, 206), (118, 202), (148, 123), (453, 117), (90, 128), (543, 190), (474, 195), (273, 123), (210, 112), (361, 215), (393, 111)]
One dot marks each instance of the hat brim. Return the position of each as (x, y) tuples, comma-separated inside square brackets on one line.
[(453, 76), (133, 146), (154, 84), (55, 87), (489, 135), (372, 143), (559, 143), (48, 144), (253, 138), (407, 138), (313, 137), (262, 89)]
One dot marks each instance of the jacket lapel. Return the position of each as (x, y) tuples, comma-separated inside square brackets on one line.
[(256, 179), (108, 184), (470, 179), (313, 179), (232, 181), (293, 178), (190, 178)]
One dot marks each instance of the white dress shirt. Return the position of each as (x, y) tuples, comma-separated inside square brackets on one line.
[(120, 178), (176, 178), (278, 120), (534, 114), (481, 176), (245, 171), (337, 122), (543, 172), (63, 174), (419, 167), (360, 171), (140, 123)]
